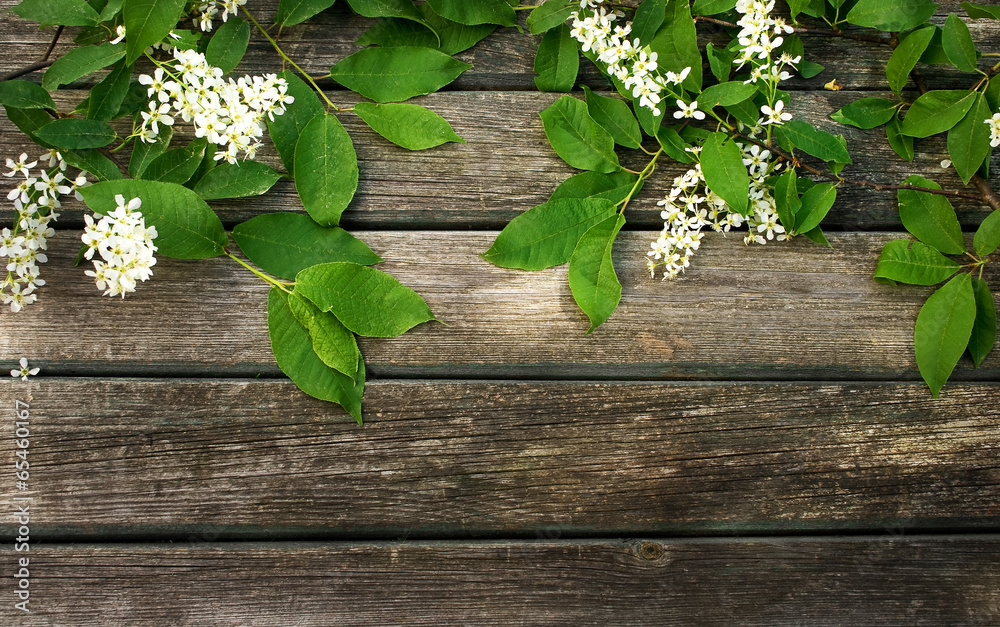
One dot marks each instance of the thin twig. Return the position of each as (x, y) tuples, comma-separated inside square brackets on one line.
[(41, 64)]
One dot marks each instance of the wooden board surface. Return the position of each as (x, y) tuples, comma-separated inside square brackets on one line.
[(167, 459), (949, 580)]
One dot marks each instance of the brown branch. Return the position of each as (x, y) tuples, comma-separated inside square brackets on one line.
[(41, 64)]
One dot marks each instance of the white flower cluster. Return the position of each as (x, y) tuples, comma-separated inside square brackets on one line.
[(228, 113), (994, 123), (686, 212), (125, 246), (35, 199), (627, 60), (208, 10), (760, 35)]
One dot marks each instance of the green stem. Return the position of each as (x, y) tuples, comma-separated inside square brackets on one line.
[(269, 280), (643, 175)]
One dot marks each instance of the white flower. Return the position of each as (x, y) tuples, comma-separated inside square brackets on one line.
[(688, 111), (120, 32), (24, 372), (125, 246), (775, 115), (945, 164), (21, 165), (994, 123)]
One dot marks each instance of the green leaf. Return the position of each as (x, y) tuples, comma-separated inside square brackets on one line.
[(57, 12), (557, 61), (368, 301), (816, 203), (28, 121), (144, 153), (454, 37), (984, 330), (577, 138), (472, 13), (969, 140), (987, 237), (386, 8), (897, 15), (674, 145), (978, 11), (712, 7), (746, 112), (549, 15), (94, 162), (676, 44), (147, 22), (929, 217), (79, 62), (592, 277), (786, 199), (187, 227), (284, 244), (808, 69), (25, 95), (902, 144), (229, 180), (616, 118), (294, 353), (285, 129), (720, 61), (331, 341), (77, 133), (812, 141), (408, 125), (725, 174), (935, 55), (647, 121), (797, 6), (937, 111), (904, 58), (943, 329), (395, 32), (546, 235), (957, 43), (106, 97), (725, 94), (326, 169), (177, 165), (648, 19), (614, 186), (292, 12), (394, 74), (816, 235), (228, 45), (918, 264), (866, 113)]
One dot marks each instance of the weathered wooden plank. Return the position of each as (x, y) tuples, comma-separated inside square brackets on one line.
[(786, 310), (120, 459), (950, 580), (505, 59), (507, 166)]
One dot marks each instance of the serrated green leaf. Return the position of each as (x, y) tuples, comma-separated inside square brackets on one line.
[(326, 169), (984, 330), (79, 62), (720, 61), (57, 12), (817, 235), (110, 10), (936, 112), (25, 95), (712, 7), (294, 353), (394, 74), (674, 145), (76, 133), (816, 203), (957, 43), (94, 162), (616, 118), (904, 58), (187, 227), (577, 138), (395, 32), (902, 144), (647, 121), (549, 15), (557, 61), (812, 141), (292, 12), (724, 94), (866, 113), (369, 302), (385, 8), (930, 218), (331, 341), (408, 125), (471, 13), (106, 97), (285, 129), (231, 180), (786, 199), (228, 45), (648, 19), (897, 15), (979, 11), (987, 237), (284, 244), (28, 121), (592, 277), (614, 186), (676, 45), (144, 153), (969, 140), (454, 37), (943, 329), (545, 236), (725, 174), (147, 22), (918, 264), (177, 165)]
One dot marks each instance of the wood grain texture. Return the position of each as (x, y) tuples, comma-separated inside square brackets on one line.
[(507, 166), (786, 310), (120, 459), (950, 580)]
